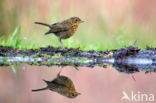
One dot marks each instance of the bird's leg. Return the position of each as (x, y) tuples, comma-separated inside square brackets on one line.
[(135, 42), (133, 77), (75, 66), (60, 40), (59, 72)]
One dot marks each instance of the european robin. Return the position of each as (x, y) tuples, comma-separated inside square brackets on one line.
[(62, 85), (64, 29)]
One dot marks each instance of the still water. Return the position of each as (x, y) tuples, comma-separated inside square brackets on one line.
[(126, 76), (96, 85)]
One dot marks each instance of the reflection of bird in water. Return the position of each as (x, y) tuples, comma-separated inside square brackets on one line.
[(64, 29), (62, 85)]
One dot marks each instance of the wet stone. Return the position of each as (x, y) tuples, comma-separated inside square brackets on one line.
[(127, 60)]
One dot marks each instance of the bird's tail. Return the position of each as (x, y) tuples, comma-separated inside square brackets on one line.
[(43, 24), (48, 32), (35, 90), (45, 88), (46, 81)]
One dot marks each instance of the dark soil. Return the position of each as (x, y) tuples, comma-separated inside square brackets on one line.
[(51, 51), (120, 56)]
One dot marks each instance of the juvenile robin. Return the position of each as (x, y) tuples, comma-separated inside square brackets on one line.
[(62, 85), (64, 29)]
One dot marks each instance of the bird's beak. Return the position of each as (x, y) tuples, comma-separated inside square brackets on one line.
[(82, 21), (79, 93)]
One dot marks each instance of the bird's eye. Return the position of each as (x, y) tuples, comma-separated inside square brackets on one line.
[(72, 95)]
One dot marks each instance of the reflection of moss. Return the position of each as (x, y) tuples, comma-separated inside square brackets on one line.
[(40, 55), (57, 55), (90, 58), (66, 61)]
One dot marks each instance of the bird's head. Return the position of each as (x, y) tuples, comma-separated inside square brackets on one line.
[(72, 94), (76, 20)]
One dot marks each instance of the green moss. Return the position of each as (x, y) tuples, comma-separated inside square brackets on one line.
[(15, 41)]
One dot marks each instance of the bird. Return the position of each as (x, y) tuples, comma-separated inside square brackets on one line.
[(62, 85), (64, 29)]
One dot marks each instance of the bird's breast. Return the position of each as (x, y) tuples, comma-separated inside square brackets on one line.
[(74, 28)]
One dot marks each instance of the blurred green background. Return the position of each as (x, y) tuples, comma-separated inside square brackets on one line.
[(109, 24)]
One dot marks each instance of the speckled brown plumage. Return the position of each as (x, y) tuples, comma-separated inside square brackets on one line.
[(64, 29), (62, 85)]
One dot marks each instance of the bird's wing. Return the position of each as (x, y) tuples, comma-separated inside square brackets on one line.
[(58, 27), (62, 80)]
